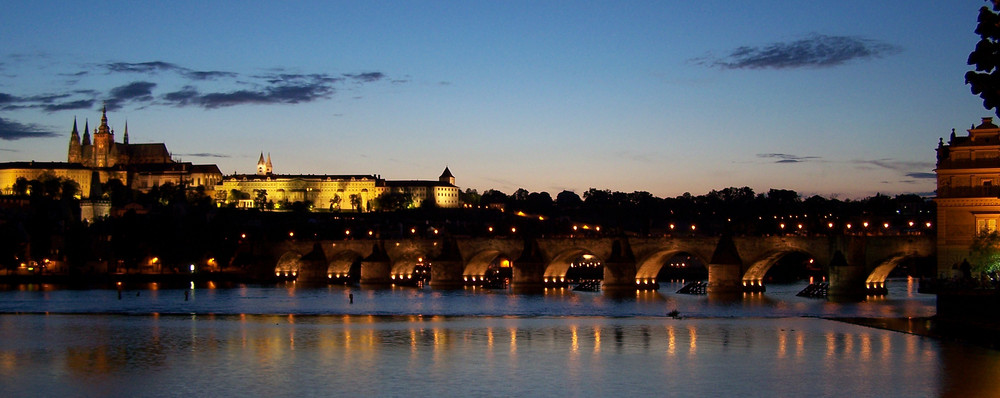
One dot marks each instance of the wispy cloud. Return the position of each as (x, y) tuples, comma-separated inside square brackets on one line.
[(921, 175), (204, 155), (11, 131), (815, 51), (168, 84), (786, 158), (153, 67), (132, 92)]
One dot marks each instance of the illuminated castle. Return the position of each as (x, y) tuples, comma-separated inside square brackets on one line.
[(99, 159), (333, 192)]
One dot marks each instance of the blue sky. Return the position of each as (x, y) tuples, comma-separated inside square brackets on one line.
[(842, 99)]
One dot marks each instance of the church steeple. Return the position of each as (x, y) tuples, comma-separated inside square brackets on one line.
[(268, 165), (74, 145), (86, 133), (126, 134), (261, 166)]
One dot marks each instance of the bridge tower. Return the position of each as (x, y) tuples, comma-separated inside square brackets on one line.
[(968, 192)]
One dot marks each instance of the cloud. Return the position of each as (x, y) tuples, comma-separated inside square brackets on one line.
[(188, 87), (11, 131), (897, 165), (203, 155), (154, 67), (135, 91), (921, 175), (280, 89), (815, 50), (366, 77), (291, 94), (80, 104), (786, 158)]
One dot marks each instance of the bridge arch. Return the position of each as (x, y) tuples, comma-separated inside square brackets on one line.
[(558, 267), (649, 267), (754, 275), (344, 266), (875, 282), (480, 262), (289, 265)]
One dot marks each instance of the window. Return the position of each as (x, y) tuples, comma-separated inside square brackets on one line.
[(986, 223)]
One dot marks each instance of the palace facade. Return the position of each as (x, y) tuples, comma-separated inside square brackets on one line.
[(98, 159), (968, 192), (332, 192)]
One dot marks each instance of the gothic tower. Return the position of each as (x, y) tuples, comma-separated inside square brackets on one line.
[(269, 170), (261, 166), (104, 142), (75, 153)]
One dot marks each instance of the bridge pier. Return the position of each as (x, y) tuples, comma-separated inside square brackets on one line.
[(847, 281), (376, 269), (725, 270), (619, 268), (447, 274)]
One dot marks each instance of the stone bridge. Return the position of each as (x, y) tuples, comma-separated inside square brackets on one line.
[(854, 264)]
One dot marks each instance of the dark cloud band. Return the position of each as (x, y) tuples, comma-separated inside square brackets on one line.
[(11, 131), (813, 51)]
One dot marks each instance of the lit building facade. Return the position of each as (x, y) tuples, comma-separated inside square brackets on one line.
[(331, 192), (968, 192), (139, 166)]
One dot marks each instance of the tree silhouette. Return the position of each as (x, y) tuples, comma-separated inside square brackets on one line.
[(985, 80)]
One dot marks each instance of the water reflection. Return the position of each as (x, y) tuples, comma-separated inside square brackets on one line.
[(299, 354)]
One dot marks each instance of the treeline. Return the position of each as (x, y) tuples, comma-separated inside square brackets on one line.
[(730, 210)]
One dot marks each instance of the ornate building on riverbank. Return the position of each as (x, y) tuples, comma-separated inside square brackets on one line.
[(968, 192), (139, 166), (332, 192)]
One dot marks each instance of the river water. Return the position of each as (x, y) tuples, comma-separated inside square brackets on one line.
[(293, 340)]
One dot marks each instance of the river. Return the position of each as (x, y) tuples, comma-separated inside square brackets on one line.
[(292, 340)]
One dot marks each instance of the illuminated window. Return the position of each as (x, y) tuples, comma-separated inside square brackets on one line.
[(986, 222)]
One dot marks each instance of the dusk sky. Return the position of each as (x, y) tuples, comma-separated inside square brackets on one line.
[(841, 99)]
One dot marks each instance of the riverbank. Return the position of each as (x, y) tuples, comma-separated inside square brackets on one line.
[(985, 333)]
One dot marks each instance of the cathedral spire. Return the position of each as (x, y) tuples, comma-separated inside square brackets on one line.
[(86, 132), (268, 164), (261, 166), (126, 133), (74, 145)]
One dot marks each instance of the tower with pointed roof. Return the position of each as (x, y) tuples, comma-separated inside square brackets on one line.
[(75, 148), (268, 165), (261, 165), (447, 177), (104, 140)]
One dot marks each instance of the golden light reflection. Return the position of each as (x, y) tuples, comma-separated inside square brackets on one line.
[(513, 340), (866, 347), (831, 344), (597, 339), (886, 346), (693, 347), (671, 341), (574, 339), (489, 339), (800, 344)]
